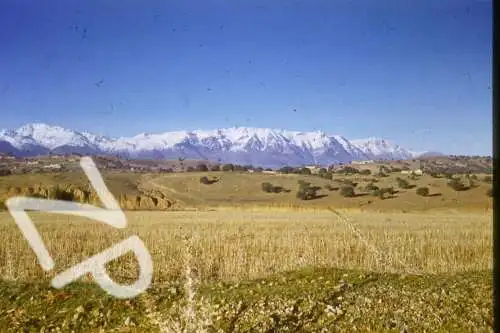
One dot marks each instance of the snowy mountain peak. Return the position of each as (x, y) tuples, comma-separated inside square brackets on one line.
[(243, 145)]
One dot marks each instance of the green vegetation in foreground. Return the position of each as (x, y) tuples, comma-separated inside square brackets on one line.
[(310, 300)]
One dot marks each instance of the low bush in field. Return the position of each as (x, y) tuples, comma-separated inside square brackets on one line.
[(423, 191), (347, 191)]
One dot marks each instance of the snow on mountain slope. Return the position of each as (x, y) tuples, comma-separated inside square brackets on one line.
[(46, 136), (378, 148), (242, 145)]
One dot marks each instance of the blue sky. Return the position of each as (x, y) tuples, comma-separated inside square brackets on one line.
[(415, 72)]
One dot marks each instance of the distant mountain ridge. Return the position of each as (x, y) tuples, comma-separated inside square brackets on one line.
[(242, 145)]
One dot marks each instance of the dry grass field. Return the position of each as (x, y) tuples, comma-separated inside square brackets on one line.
[(234, 270), (232, 245), (232, 258), (240, 189)]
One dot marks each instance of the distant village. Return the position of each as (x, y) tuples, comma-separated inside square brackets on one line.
[(67, 163)]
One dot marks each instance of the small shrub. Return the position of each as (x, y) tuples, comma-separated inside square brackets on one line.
[(267, 187), (322, 172), (215, 168), (457, 185), (278, 189), (489, 192), (487, 179), (201, 167), (348, 170), (286, 169), (365, 172), (384, 193), (423, 191), (205, 180), (305, 171), (270, 188), (328, 175), (306, 191), (228, 167), (238, 167), (402, 183), (347, 191)]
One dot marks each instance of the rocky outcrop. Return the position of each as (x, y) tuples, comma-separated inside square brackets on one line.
[(145, 200)]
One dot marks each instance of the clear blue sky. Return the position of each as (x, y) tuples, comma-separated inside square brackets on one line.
[(416, 72)]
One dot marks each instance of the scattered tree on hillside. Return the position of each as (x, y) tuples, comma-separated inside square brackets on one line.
[(267, 187), (322, 172), (206, 181), (286, 169), (228, 167), (348, 170), (201, 167), (305, 171), (423, 191), (238, 167), (457, 185), (347, 191), (402, 183), (384, 193), (270, 188), (306, 191)]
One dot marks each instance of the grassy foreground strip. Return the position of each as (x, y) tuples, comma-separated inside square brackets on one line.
[(309, 300)]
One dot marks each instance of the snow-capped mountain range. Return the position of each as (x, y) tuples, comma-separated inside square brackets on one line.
[(242, 145)]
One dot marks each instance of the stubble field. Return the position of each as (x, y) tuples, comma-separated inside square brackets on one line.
[(262, 270)]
